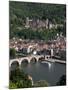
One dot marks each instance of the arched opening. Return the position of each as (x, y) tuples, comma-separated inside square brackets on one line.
[(47, 57), (14, 65), (33, 60), (41, 59), (24, 62)]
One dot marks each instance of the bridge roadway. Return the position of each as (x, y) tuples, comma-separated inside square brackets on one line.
[(37, 58)]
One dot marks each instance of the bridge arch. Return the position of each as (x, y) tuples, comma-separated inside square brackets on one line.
[(41, 58), (24, 61), (33, 59), (14, 62)]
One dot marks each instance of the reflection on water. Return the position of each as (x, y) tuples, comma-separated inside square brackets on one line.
[(51, 72)]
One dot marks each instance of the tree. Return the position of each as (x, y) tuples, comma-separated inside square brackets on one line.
[(12, 85), (20, 10), (19, 79), (12, 53), (41, 83), (62, 80)]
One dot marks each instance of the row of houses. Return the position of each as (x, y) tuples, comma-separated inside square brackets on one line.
[(28, 46)]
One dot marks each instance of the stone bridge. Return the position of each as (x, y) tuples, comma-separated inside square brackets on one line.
[(28, 59)]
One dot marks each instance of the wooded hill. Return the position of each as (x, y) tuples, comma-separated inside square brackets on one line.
[(20, 10), (37, 10)]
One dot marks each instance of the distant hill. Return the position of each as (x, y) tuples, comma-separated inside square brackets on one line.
[(20, 10), (37, 10)]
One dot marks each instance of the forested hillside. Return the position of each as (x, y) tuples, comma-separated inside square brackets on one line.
[(20, 10), (37, 10)]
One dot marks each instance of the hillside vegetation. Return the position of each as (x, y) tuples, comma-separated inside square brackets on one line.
[(20, 10)]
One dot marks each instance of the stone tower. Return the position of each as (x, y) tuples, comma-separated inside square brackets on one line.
[(27, 22)]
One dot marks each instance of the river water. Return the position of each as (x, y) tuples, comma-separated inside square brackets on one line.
[(51, 72)]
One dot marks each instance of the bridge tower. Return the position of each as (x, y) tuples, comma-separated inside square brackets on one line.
[(52, 52)]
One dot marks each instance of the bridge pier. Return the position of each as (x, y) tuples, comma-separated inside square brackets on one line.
[(47, 57), (37, 60), (28, 61), (20, 64)]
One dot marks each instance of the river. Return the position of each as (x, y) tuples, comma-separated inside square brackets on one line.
[(51, 72)]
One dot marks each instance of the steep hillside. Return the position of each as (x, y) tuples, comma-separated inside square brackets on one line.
[(20, 10)]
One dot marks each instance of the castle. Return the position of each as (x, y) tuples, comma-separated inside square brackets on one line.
[(38, 23)]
